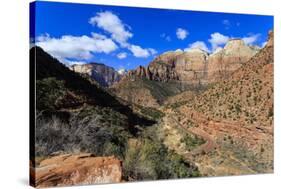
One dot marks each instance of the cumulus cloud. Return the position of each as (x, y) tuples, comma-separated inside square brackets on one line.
[(112, 24), (166, 37), (121, 71), (76, 47), (69, 62), (198, 45), (120, 33), (182, 33), (178, 50), (226, 23), (122, 55), (251, 39), (263, 44), (218, 39), (141, 52)]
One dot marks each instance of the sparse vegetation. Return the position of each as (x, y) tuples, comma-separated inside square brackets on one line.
[(192, 141)]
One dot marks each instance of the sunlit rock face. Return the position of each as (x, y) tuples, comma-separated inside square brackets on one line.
[(228, 59), (104, 75)]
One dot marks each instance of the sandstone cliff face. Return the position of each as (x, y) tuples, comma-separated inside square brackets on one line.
[(190, 70), (225, 61), (192, 66), (101, 73), (79, 169), (196, 65), (162, 68)]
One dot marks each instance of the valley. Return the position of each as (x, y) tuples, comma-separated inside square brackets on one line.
[(187, 114)]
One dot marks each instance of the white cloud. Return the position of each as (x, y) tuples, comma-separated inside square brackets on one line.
[(263, 44), (76, 47), (152, 51), (120, 33), (197, 45), (166, 37), (218, 39), (182, 33), (141, 52), (178, 50), (122, 55), (249, 40), (113, 25), (121, 71), (226, 23), (75, 62)]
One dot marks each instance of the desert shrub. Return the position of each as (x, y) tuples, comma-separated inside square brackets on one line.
[(91, 130), (192, 141), (148, 159), (270, 112), (48, 91), (152, 113), (52, 135)]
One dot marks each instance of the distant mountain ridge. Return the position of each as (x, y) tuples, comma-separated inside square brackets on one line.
[(176, 71), (196, 65), (103, 74)]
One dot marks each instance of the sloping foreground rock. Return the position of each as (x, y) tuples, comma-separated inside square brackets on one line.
[(79, 169)]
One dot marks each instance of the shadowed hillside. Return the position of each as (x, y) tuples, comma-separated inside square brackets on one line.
[(75, 116)]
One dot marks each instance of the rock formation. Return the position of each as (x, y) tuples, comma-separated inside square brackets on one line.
[(196, 65), (79, 169), (191, 66), (101, 73), (225, 61)]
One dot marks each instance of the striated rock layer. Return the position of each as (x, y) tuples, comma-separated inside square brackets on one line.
[(196, 65), (79, 169), (225, 61)]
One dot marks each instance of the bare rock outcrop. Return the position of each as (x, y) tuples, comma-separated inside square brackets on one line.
[(79, 169), (225, 61), (104, 75), (196, 65), (162, 68), (192, 66)]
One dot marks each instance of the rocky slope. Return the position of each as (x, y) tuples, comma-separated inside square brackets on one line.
[(76, 116), (193, 70), (104, 75), (237, 116)]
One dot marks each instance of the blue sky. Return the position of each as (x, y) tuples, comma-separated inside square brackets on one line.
[(125, 37)]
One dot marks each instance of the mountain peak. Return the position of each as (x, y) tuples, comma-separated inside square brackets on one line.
[(234, 44), (103, 74), (196, 50)]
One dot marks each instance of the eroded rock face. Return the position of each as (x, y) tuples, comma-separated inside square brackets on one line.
[(192, 66), (225, 61), (101, 73), (196, 65), (79, 169)]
